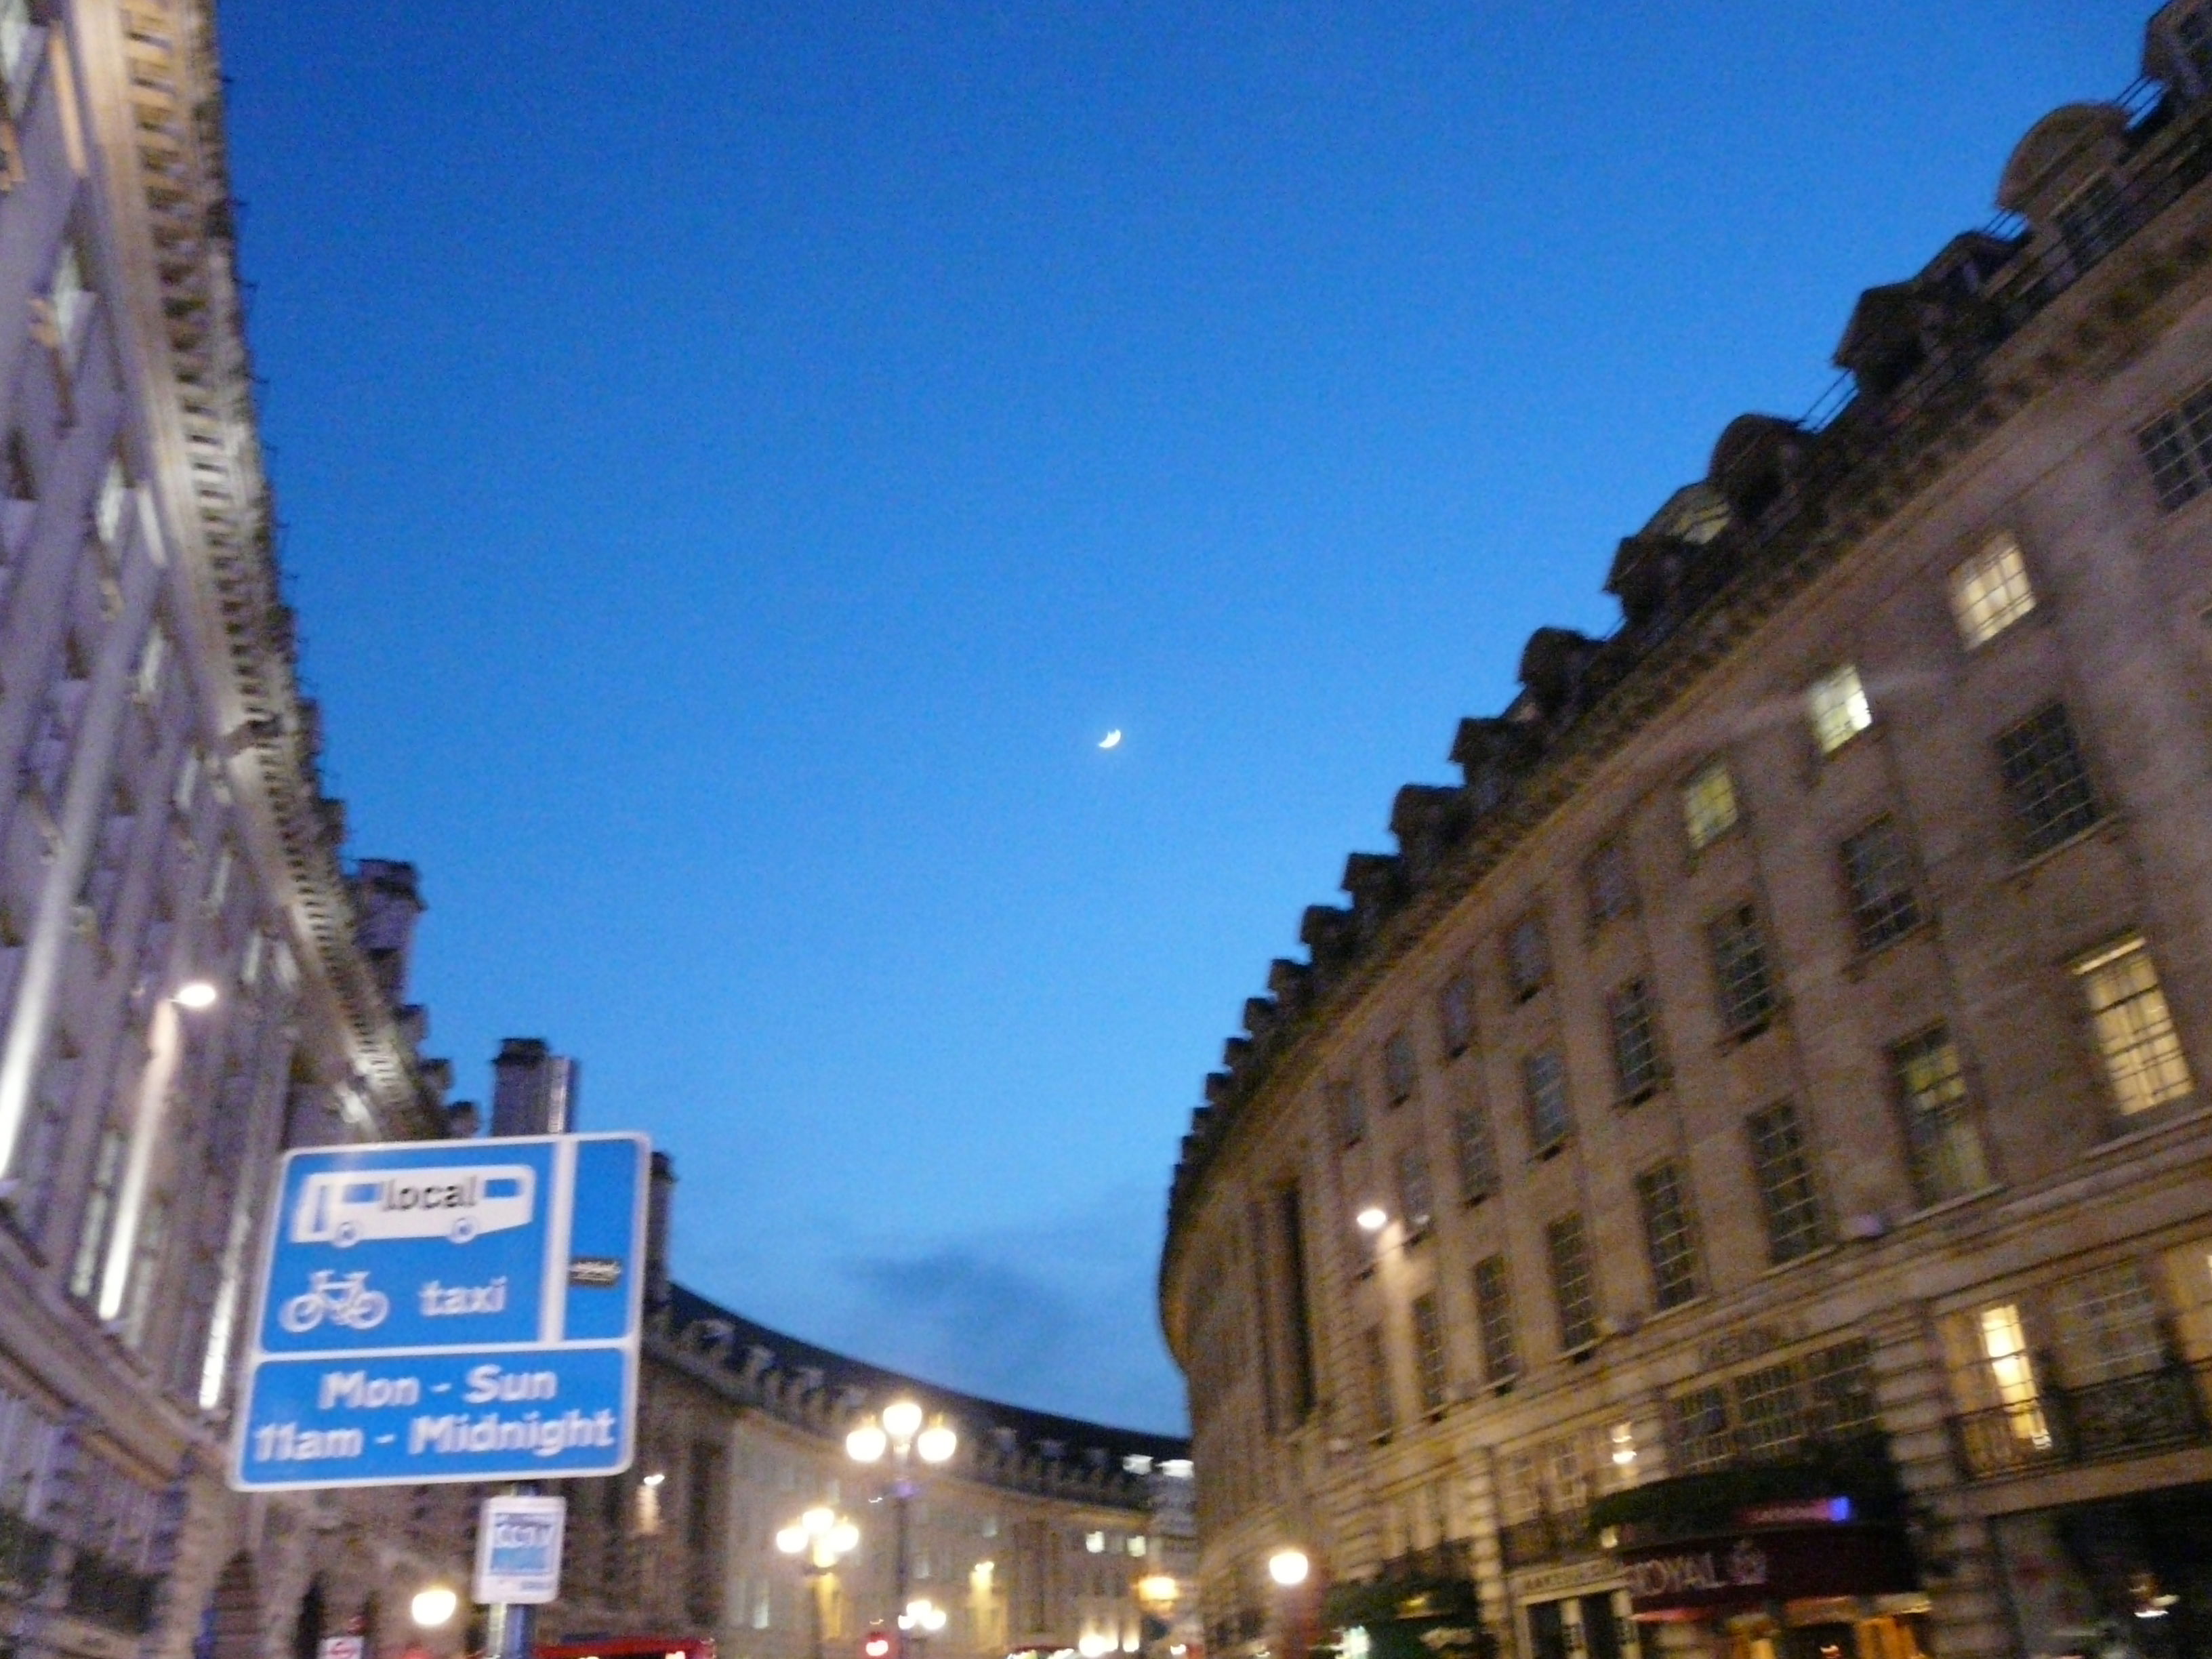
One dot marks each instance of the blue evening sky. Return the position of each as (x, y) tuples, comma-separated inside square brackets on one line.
[(738, 461)]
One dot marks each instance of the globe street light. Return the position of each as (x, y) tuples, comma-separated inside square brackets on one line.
[(820, 1537), (904, 1431), (433, 1606)]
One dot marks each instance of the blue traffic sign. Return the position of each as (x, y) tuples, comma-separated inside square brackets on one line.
[(448, 1310)]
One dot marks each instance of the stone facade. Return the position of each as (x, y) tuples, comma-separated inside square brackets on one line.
[(1787, 1045)]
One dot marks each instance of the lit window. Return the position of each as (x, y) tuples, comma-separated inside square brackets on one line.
[(2144, 1061), (1668, 1243), (1401, 1069), (1941, 1143), (1837, 705), (1094, 1541), (1544, 1084), (2004, 1352), (1709, 805), (1785, 1178), (1991, 592), (2177, 446), (1494, 1313), (1574, 1287), (1878, 876)]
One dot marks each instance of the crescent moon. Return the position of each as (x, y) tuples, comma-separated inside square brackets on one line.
[(1112, 739)]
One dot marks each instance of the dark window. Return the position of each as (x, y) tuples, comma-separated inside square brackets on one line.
[(1294, 1257), (1401, 1070), (2094, 222), (1636, 1064), (2177, 446), (1527, 956), (1384, 1408), (1416, 1199), (1878, 875), (1940, 1140), (1784, 1175), (1456, 1013), (2051, 799), (1574, 1287), (1428, 1368), (1698, 1429), (1606, 878), (1348, 1111), (1477, 1154), (1839, 1390), (1493, 1314), (1544, 1084), (1747, 999), (1669, 1239)]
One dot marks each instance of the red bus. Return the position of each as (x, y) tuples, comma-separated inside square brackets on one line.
[(631, 1647)]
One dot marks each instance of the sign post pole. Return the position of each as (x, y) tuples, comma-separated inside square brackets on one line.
[(511, 1627)]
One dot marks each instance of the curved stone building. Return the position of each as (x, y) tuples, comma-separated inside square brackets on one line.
[(1735, 1180)]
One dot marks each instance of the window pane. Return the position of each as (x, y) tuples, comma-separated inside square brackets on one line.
[(1785, 1183), (1770, 1414), (1429, 1353), (1636, 1062), (1698, 1429), (1574, 1290), (2049, 784), (1709, 805), (2178, 448), (1878, 876), (1544, 1080), (1527, 957), (1477, 1154), (1606, 878), (2108, 1326), (1401, 1070), (1416, 1200), (2142, 1052), (1348, 1112), (1746, 993), (1384, 1409), (1667, 1237), (1941, 1143), (1493, 1308), (1991, 592), (1456, 1013), (2004, 1352), (1837, 705)]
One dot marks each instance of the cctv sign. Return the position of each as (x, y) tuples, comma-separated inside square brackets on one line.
[(519, 1550), (448, 1310)]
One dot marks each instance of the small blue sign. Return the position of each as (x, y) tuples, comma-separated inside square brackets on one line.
[(455, 1311)]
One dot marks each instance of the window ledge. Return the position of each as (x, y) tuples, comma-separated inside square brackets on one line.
[(1649, 1092), (1818, 1253), (2173, 1114), (1944, 1205), (1867, 954), (1682, 1308), (2027, 868)]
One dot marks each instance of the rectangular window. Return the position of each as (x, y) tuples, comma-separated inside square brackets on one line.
[(1668, 1241), (1291, 1212), (1416, 1197), (2142, 1052), (1476, 1153), (1839, 1390), (1384, 1410), (1991, 592), (1544, 1085), (1769, 1412), (1401, 1071), (1878, 877), (1941, 1142), (1785, 1176), (1606, 883), (2044, 774), (1456, 1013), (1635, 1022), (1574, 1289), (2108, 1327), (1747, 994), (2011, 1373), (1698, 1429), (1348, 1111), (2177, 446), (1493, 1317), (1428, 1368), (1837, 705), (1527, 956), (1709, 805)]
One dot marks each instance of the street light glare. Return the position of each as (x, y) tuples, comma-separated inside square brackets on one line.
[(197, 994), (867, 1443), (938, 1443), (1289, 1567), (844, 1538), (1373, 1218), (901, 1419), (433, 1606), (790, 1540)]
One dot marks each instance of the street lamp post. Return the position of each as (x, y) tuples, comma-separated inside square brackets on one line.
[(900, 1430), (821, 1537)]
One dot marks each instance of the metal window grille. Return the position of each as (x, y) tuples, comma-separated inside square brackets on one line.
[(1709, 805), (1456, 1013), (1348, 1111), (1636, 1061), (1837, 705), (1991, 592), (1429, 1368), (1527, 956), (2094, 221), (1606, 878), (1668, 1243), (2108, 1326), (1698, 1429), (1476, 1152), (1383, 1408), (1878, 875), (1839, 1388), (1493, 1318), (2177, 446), (1401, 1071), (2049, 784), (2142, 1052), (1770, 1413), (1747, 999), (1786, 1196), (1944, 1145), (1416, 1196), (1574, 1287), (1544, 1084)]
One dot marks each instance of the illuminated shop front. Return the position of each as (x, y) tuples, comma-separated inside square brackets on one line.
[(2117, 1579)]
